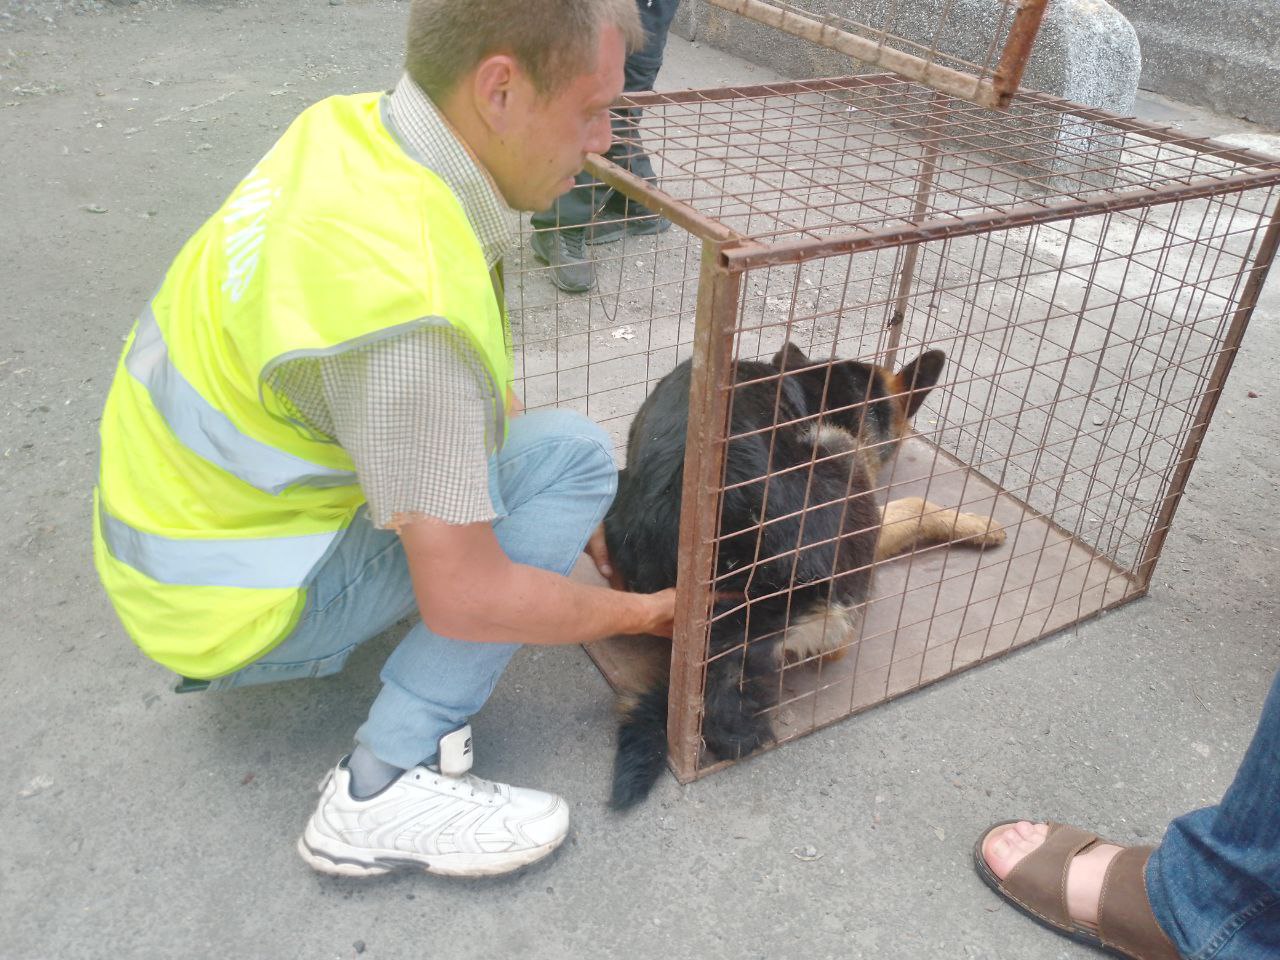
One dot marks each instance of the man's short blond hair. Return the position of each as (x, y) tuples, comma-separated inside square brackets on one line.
[(553, 40)]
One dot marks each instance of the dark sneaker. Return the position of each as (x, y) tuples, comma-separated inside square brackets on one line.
[(631, 219), (563, 251)]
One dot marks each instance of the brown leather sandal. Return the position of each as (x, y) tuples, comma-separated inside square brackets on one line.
[(1037, 885)]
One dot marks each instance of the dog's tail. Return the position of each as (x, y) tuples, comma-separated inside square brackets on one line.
[(642, 747), (735, 721)]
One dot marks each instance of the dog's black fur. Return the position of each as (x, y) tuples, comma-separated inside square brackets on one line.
[(820, 519)]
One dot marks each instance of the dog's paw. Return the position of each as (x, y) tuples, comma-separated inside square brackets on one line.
[(836, 655), (744, 737), (741, 744), (975, 530)]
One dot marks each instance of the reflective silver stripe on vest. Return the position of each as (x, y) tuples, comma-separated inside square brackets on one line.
[(274, 562), (208, 431)]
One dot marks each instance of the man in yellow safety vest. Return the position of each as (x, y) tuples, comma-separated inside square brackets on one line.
[(311, 432)]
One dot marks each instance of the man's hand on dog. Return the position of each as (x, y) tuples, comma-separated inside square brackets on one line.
[(598, 551), (664, 613), (663, 602)]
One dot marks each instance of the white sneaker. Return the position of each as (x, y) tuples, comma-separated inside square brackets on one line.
[(457, 826)]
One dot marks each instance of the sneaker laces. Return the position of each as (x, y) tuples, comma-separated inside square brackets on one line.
[(469, 780), (479, 784)]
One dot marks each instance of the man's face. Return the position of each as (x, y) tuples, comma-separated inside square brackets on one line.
[(550, 137)]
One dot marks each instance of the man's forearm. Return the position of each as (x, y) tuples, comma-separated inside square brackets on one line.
[(536, 606)]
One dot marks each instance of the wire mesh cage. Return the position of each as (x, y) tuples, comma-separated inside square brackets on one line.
[(978, 54), (1088, 278)]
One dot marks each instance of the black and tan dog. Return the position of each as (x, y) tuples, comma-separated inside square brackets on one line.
[(799, 532)]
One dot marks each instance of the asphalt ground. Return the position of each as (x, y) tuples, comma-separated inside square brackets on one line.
[(138, 823)]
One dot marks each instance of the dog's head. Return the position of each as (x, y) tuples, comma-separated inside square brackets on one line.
[(873, 404)]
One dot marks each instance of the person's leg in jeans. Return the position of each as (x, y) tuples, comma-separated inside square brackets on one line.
[(1210, 890), (561, 232), (1214, 881), (555, 478), (361, 589), (640, 72), (385, 808)]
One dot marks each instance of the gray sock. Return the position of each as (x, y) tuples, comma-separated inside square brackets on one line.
[(368, 773)]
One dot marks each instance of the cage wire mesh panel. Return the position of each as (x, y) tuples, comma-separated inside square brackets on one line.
[(599, 353), (1088, 277), (981, 60)]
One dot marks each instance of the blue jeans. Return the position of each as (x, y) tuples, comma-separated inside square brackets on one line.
[(580, 206), (550, 484), (1214, 881)]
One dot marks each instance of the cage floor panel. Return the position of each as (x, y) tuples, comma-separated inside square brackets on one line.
[(935, 612)]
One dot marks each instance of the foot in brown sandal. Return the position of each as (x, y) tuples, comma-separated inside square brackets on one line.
[(1072, 882)]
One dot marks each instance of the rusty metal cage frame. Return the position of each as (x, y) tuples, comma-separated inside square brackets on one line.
[(989, 82), (910, 172)]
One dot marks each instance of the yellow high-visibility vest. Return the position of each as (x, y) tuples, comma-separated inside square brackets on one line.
[(214, 505)]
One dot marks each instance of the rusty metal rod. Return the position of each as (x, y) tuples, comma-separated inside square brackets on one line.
[(1027, 98), (752, 257), (924, 193), (945, 79), (1218, 378), (710, 390), (655, 198), (1017, 49)]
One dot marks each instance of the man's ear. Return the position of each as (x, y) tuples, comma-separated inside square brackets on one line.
[(495, 91)]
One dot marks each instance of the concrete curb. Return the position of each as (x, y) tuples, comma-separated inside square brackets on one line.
[(1214, 53)]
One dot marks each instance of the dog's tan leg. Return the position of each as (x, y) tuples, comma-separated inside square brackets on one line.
[(913, 522), (899, 526)]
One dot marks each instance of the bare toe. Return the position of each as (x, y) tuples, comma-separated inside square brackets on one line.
[(1004, 846)]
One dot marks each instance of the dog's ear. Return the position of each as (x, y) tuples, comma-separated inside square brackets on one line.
[(920, 376), (791, 357)]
